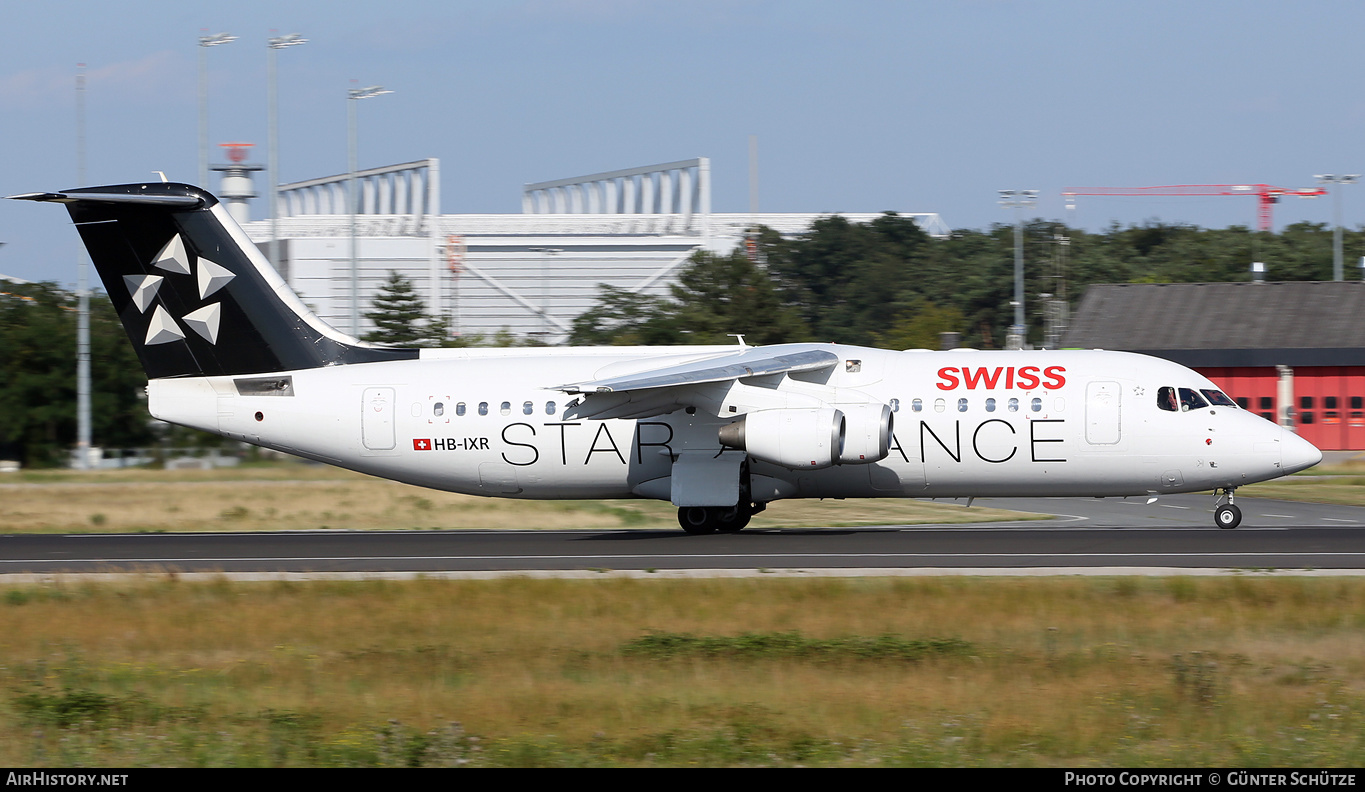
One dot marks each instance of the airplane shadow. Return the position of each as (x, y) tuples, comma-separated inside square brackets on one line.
[(636, 536)]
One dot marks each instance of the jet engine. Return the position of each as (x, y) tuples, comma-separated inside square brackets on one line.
[(807, 439), (867, 438)]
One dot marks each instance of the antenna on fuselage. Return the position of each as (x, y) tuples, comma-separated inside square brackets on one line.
[(740, 338)]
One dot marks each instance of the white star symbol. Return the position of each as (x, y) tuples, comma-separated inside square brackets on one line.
[(210, 278)]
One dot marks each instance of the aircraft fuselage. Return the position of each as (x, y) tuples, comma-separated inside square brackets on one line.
[(967, 423)]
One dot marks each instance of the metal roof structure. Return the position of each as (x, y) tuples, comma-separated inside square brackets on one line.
[(530, 274), (1293, 323)]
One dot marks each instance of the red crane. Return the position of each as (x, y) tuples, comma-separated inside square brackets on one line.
[(1266, 195)]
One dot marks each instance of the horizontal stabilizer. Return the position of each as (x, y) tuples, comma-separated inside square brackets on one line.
[(179, 201)]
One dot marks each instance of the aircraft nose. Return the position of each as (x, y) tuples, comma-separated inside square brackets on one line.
[(1297, 454)]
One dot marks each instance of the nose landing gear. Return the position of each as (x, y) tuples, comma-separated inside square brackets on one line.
[(1226, 515)]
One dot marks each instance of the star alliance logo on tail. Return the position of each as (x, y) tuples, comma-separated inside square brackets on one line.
[(174, 259)]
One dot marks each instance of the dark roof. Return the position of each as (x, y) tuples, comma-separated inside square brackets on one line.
[(1227, 324)]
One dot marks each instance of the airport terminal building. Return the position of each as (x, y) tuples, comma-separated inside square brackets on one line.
[(529, 274), (1294, 352)]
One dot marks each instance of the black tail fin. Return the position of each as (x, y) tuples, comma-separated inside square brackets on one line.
[(195, 295)]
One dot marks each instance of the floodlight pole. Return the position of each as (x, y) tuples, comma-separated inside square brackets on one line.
[(273, 44), (1018, 200), (354, 95), (204, 43), (1339, 181), (83, 432)]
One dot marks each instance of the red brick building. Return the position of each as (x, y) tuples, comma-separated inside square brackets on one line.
[(1293, 352)]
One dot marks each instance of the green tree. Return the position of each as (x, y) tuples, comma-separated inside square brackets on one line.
[(400, 317), (921, 328), (715, 296), (851, 279), (38, 376)]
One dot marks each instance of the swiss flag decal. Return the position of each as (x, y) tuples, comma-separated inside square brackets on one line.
[(421, 445)]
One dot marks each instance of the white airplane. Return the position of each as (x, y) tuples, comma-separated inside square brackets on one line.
[(720, 431)]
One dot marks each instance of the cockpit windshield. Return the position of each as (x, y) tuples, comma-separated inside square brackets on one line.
[(1186, 399), (1191, 400), (1217, 398)]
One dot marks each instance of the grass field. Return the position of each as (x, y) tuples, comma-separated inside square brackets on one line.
[(290, 496), (1245, 671), (1242, 671), (305, 497)]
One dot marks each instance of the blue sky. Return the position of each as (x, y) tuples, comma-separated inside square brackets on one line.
[(860, 105)]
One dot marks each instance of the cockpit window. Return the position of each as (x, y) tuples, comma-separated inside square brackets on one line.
[(1217, 398), (1190, 400), (1165, 399)]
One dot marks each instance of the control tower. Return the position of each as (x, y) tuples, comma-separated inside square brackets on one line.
[(236, 187)]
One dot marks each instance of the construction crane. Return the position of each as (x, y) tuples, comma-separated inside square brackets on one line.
[(1266, 195)]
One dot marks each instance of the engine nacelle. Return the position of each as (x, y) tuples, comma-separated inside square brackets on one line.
[(799, 439), (867, 437)]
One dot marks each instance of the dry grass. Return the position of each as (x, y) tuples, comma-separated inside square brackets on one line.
[(1343, 490), (1075, 671), (294, 497)]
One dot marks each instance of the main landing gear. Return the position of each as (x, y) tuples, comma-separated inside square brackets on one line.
[(717, 519), (1226, 515), (722, 519)]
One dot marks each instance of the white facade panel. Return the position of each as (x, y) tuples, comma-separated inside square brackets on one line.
[(528, 274)]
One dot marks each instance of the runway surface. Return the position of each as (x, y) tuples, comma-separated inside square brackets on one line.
[(1087, 535)]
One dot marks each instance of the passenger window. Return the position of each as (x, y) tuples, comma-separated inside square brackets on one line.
[(1014, 405), (1165, 399), (438, 409), (506, 408), (962, 405), (917, 405), (459, 408), (895, 405), (483, 408), (990, 405), (1189, 400), (940, 405), (549, 408), (528, 408), (1217, 398), (1036, 405)]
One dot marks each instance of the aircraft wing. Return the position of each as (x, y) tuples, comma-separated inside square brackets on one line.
[(700, 383), (752, 362)]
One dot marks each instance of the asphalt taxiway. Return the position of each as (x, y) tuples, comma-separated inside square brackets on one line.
[(1174, 535)]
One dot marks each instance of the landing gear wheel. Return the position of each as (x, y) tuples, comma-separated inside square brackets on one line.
[(697, 520), (734, 519), (1227, 516)]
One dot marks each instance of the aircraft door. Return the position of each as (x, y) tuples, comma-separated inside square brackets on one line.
[(376, 423), (1102, 413)]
